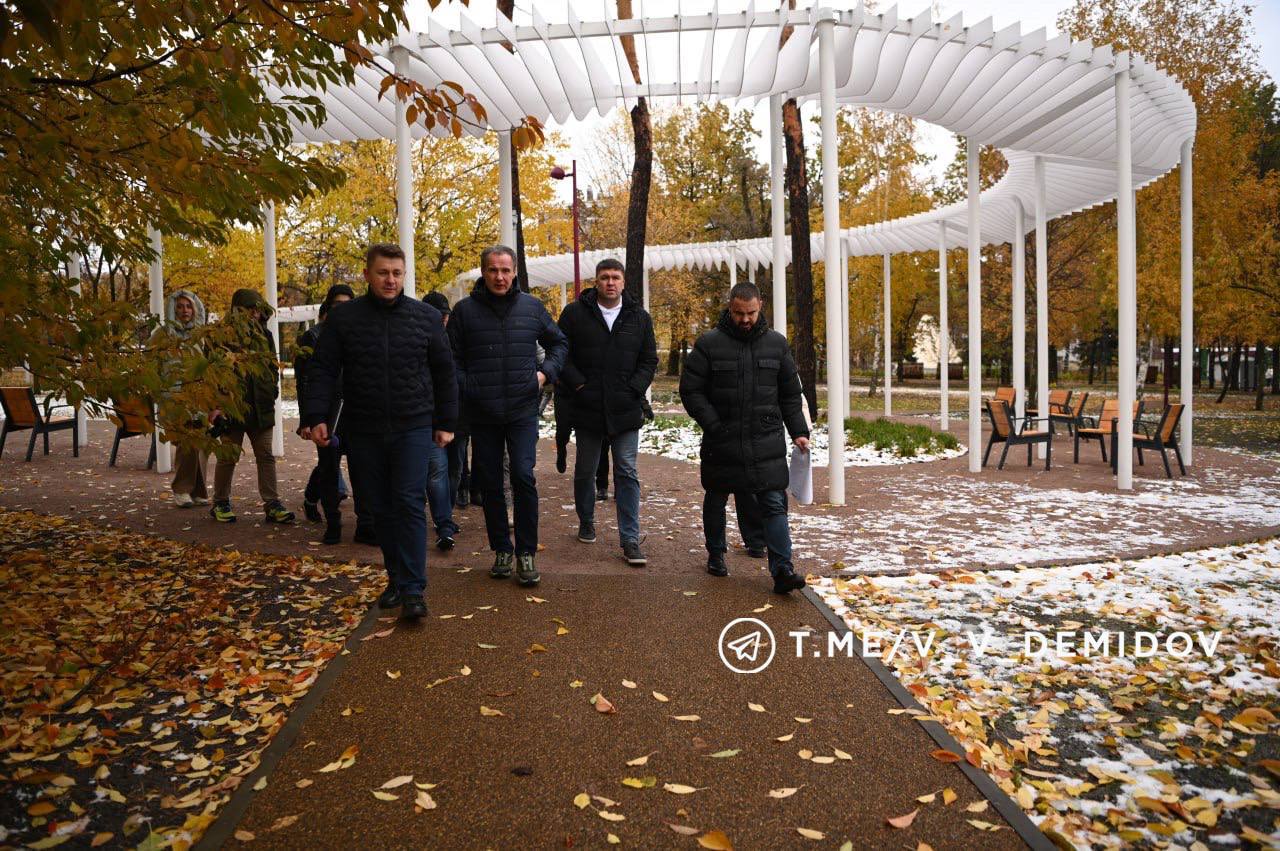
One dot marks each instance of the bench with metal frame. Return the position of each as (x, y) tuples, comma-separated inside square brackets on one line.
[(22, 413), (132, 418), (1004, 430), (1103, 427), (1163, 438)]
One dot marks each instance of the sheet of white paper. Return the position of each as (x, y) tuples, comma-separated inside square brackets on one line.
[(801, 472)]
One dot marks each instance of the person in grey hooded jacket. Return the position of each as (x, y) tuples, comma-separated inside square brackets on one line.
[(184, 313)]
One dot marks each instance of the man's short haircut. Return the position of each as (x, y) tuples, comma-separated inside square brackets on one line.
[(746, 292), (496, 249), (610, 263), (382, 249)]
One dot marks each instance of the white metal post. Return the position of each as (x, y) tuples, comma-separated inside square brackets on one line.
[(831, 252), (975, 308), (887, 320), (1187, 355), (155, 279), (74, 273), (1126, 244), (273, 324), (1042, 293), (777, 197), (944, 331), (404, 178), (1019, 243), (506, 202)]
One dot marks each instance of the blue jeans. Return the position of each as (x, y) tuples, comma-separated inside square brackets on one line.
[(389, 472), (439, 496), (521, 442), (772, 507), (626, 483)]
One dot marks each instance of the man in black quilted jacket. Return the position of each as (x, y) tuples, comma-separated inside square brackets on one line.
[(612, 360), (496, 332), (399, 397), (741, 386)]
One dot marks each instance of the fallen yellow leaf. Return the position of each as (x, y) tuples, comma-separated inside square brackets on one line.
[(903, 821)]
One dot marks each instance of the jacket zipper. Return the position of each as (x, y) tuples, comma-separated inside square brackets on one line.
[(386, 371)]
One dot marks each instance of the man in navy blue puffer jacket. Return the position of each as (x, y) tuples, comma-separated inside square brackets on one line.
[(399, 396), (495, 334)]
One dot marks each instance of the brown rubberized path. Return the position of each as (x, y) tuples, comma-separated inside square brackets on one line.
[(629, 625)]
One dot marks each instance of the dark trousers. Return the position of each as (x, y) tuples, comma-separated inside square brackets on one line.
[(389, 472), (458, 467), (602, 469), (772, 507), (520, 440), (322, 486)]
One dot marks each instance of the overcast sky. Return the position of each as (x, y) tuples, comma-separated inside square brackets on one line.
[(1033, 14)]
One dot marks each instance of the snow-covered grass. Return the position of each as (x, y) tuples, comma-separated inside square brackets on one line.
[(1103, 750)]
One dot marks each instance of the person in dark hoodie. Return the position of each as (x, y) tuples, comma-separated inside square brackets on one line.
[(249, 313), (741, 386), (325, 486), (613, 357), (399, 397), (497, 331)]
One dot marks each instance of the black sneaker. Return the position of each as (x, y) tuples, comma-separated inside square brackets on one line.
[(464, 498), (365, 535), (716, 565), (631, 552), (332, 534), (277, 513), (526, 572), (312, 511), (501, 565), (757, 552), (444, 543), (221, 511), (477, 498), (415, 608), (787, 581), (390, 598), (602, 494), (587, 531)]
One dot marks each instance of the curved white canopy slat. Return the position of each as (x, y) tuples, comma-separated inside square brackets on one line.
[(1023, 93)]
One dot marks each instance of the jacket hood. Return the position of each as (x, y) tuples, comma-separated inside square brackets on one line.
[(251, 300), (727, 325), (170, 310)]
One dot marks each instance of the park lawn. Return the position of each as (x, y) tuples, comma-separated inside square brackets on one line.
[(142, 678)]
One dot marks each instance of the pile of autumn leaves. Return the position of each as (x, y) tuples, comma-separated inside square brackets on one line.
[(141, 679)]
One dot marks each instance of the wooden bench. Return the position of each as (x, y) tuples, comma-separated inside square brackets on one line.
[(907, 369), (22, 413), (1003, 430), (132, 418), (1103, 429), (1163, 438)]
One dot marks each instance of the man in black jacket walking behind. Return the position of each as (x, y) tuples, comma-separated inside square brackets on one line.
[(611, 363), (740, 384), (495, 334), (399, 397)]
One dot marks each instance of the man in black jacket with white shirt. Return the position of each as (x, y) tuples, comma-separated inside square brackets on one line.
[(399, 396), (613, 357)]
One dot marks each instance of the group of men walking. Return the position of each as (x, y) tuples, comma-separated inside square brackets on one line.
[(389, 378)]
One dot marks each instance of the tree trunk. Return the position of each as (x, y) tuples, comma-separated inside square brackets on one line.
[(801, 261), (1212, 362), (1093, 359), (1275, 368), (1053, 365), (673, 353), (1167, 367), (638, 203), (1229, 375)]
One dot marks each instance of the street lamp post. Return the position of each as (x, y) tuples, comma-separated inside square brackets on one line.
[(559, 174)]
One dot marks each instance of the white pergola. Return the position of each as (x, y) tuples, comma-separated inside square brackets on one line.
[(1080, 125)]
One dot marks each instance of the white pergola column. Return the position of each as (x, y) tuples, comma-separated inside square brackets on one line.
[(844, 325), (1042, 293), (404, 177), (1187, 355), (975, 308), (1127, 278), (887, 320), (831, 252), (74, 272), (155, 280), (777, 197), (944, 331), (273, 324), (1019, 244)]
